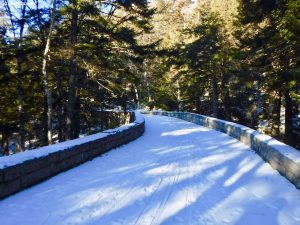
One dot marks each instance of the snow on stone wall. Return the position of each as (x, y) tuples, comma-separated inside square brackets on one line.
[(25, 169)]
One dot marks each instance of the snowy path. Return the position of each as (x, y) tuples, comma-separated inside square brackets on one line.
[(176, 173)]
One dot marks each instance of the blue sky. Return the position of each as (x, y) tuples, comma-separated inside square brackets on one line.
[(15, 7)]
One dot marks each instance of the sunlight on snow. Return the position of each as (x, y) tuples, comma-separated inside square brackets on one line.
[(178, 148), (184, 131), (244, 167), (199, 178)]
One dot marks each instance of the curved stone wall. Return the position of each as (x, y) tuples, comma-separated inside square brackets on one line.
[(25, 169), (283, 158)]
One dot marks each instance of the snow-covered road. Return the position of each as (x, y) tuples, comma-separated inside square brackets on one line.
[(176, 173)]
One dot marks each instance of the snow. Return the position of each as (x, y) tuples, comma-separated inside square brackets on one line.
[(284, 149), (18, 158), (176, 173)]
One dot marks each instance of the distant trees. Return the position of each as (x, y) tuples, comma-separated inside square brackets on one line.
[(240, 63), (271, 51), (63, 60)]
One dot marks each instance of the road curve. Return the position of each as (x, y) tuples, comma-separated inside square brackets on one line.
[(176, 173)]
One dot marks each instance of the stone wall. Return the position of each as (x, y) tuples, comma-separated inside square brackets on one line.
[(29, 172), (281, 157)]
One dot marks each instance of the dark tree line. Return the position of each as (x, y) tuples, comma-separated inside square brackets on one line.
[(232, 59), (63, 61)]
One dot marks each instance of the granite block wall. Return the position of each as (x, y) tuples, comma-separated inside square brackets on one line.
[(27, 173)]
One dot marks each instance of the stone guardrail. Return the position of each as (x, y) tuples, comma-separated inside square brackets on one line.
[(25, 169), (283, 158)]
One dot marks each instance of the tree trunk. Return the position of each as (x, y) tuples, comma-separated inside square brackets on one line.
[(76, 124), (20, 23), (21, 101), (47, 90), (148, 87), (288, 117), (198, 104), (43, 135), (137, 97), (215, 96), (225, 96), (60, 109), (276, 115), (71, 102), (73, 74), (226, 105), (5, 143), (178, 96)]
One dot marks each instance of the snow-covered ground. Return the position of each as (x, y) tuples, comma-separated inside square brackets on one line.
[(176, 173)]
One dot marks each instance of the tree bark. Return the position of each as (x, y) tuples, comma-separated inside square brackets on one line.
[(60, 109), (276, 114), (20, 59), (73, 73), (150, 99), (225, 96), (137, 97), (215, 96), (288, 117), (5, 143), (47, 90), (43, 135), (178, 96), (21, 101), (76, 122)]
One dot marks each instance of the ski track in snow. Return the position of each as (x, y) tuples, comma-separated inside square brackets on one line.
[(176, 173)]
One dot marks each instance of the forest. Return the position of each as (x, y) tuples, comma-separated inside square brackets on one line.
[(63, 62)]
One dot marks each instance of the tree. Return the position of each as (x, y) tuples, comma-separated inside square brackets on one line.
[(93, 47), (48, 92), (271, 51), (19, 24)]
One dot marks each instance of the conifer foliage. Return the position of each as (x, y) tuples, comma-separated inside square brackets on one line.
[(63, 61)]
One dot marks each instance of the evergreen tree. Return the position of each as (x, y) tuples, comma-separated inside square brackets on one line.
[(270, 48)]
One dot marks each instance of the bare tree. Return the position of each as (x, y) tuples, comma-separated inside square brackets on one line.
[(47, 90)]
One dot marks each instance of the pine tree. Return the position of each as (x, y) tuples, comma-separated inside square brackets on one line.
[(271, 49)]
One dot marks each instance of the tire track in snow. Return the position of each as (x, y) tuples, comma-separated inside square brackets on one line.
[(212, 197), (188, 192), (156, 212), (152, 199), (140, 181)]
